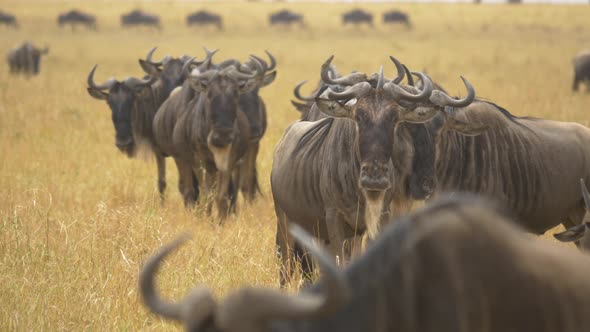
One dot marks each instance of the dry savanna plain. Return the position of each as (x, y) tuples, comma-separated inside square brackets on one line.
[(78, 218)]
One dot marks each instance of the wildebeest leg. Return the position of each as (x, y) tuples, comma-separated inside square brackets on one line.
[(335, 233), (224, 184), (185, 182), (161, 175), (284, 244), (248, 174)]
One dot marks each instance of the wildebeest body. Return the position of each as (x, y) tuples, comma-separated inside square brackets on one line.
[(458, 264), (75, 17), (286, 17), (396, 16), (8, 19), (357, 16), (139, 18), (581, 69), (26, 59), (204, 17)]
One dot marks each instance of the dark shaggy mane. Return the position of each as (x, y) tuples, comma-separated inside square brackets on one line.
[(315, 136)]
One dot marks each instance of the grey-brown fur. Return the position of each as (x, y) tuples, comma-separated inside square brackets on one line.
[(286, 17), (532, 165), (26, 59), (140, 18), (457, 265), (357, 17), (397, 16), (203, 18)]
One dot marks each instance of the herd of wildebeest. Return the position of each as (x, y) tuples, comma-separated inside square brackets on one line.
[(346, 175), (138, 17)]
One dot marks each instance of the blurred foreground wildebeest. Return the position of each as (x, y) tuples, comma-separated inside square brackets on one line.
[(581, 69), (134, 103), (458, 264), (75, 17), (139, 18), (341, 175), (250, 105), (203, 17), (357, 16), (8, 19), (286, 17), (26, 59), (396, 16), (579, 233), (211, 130)]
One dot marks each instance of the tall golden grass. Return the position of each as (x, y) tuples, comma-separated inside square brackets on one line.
[(78, 218)]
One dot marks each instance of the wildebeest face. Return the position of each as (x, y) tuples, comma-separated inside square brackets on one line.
[(222, 99), (121, 98)]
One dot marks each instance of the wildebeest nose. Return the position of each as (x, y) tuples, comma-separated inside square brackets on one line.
[(221, 138), (375, 176)]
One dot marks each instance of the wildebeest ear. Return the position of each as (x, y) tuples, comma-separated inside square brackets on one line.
[(248, 86), (197, 84), (333, 108), (149, 68), (419, 114), (464, 128), (300, 107), (571, 234), (268, 78), (95, 93)]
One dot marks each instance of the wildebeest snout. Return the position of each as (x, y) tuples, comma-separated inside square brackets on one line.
[(375, 176), (221, 137)]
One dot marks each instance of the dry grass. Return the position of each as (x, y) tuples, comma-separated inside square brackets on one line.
[(77, 218)]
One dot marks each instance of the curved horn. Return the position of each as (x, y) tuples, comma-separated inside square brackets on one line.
[(206, 64), (273, 61), (442, 99), (187, 65), (104, 86), (400, 70), (149, 55), (381, 79), (585, 194), (356, 91), (238, 313), (261, 66), (350, 79), (298, 95), (236, 73), (147, 289), (409, 76), (400, 93), (135, 83)]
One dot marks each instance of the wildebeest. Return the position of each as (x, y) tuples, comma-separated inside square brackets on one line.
[(203, 17), (336, 177), (139, 18), (396, 16), (134, 103), (286, 17), (26, 59), (75, 17), (357, 16), (8, 19), (581, 69), (457, 264), (172, 115)]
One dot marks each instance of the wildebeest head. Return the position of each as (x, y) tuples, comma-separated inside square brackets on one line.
[(248, 309), (221, 89), (579, 232), (377, 111), (121, 97), (170, 71)]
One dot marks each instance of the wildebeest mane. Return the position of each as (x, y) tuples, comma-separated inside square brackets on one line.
[(315, 136)]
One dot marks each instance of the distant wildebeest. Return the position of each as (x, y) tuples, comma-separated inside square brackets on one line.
[(203, 17), (337, 177), (134, 103), (8, 19), (212, 130), (75, 17), (396, 16), (139, 18), (26, 59), (581, 69), (457, 264), (286, 17), (357, 16)]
